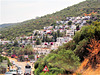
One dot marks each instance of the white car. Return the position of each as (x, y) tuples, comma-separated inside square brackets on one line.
[(16, 65), (13, 62), (20, 72), (8, 73), (27, 69), (18, 68), (13, 71), (32, 61)]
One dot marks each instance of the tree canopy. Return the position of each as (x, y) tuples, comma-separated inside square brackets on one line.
[(68, 57)]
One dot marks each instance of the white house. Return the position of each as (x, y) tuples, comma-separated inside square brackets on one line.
[(66, 26), (55, 30), (69, 39), (45, 28), (23, 41), (50, 27), (42, 51), (60, 39), (62, 22), (84, 21), (56, 27), (61, 30), (78, 17), (4, 42), (73, 27), (0, 41), (55, 46), (36, 31), (48, 31), (66, 22), (57, 22), (69, 33)]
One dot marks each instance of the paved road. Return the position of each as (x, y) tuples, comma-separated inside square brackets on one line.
[(22, 64)]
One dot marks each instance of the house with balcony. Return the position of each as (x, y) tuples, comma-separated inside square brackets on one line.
[(69, 33), (42, 51), (5, 42)]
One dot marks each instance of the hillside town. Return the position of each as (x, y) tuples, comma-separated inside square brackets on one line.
[(45, 40), (50, 37), (38, 39), (65, 31)]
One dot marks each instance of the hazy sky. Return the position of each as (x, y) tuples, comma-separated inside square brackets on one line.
[(12, 11)]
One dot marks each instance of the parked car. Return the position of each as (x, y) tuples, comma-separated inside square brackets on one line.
[(8, 73), (19, 67), (13, 71), (20, 72), (32, 61), (27, 69), (16, 65), (13, 62)]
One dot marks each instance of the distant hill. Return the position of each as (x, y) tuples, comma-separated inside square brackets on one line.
[(6, 25), (26, 27)]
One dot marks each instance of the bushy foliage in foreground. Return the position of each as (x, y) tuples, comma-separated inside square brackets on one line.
[(67, 58), (4, 58), (58, 63)]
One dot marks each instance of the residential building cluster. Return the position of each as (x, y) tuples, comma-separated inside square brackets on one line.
[(63, 27)]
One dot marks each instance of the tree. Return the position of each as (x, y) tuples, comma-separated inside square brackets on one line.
[(31, 39), (80, 50), (38, 41), (31, 56), (1, 49), (47, 39), (66, 58), (55, 36), (58, 33), (77, 37), (15, 43), (77, 27), (21, 58), (88, 32), (44, 39), (28, 50), (4, 58), (70, 23), (36, 33), (21, 40), (89, 22)]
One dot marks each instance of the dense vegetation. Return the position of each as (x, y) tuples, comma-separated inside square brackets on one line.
[(18, 50), (4, 58), (68, 57), (26, 28)]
